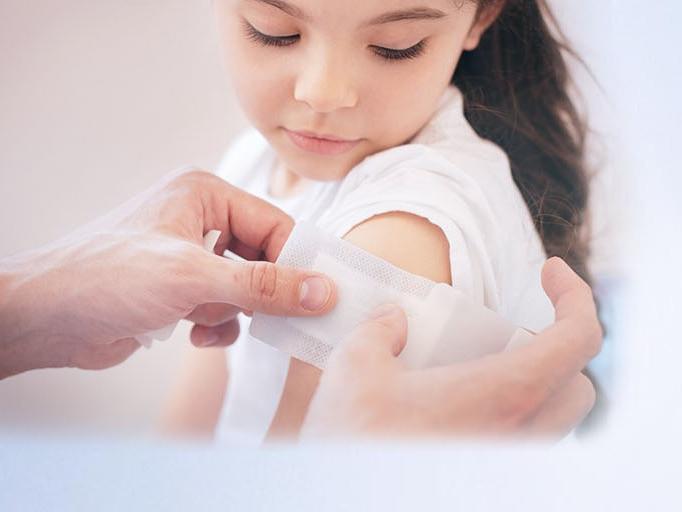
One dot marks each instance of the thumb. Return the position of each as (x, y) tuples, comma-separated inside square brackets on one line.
[(561, 351), (265, 287), (382, 337), (570, 295)]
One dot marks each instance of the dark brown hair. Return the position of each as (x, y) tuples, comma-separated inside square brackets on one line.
[(516, 94)]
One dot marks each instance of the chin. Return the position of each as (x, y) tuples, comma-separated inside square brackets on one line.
[(318, 168), (320, 173)]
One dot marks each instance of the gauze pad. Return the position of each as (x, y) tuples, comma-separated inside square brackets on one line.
[(444, 326)]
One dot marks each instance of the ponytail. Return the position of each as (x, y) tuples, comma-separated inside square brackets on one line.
[(515, 88)]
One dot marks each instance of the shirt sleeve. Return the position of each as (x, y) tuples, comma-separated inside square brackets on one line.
[(426, 184)]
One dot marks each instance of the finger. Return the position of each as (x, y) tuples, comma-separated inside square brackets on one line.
[(565, 410), (256, 223), (381, 338), (221, 335), (563, 350), (210, 315), (570, 295), (246, 252), (262, 286), (100, 357)]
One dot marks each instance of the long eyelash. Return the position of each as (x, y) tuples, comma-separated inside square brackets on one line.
[(408, 53), (266, 40), (386, 53)]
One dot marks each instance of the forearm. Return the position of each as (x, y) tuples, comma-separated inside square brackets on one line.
[(195, 402)]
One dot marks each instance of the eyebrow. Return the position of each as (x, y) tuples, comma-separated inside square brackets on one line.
[(415, 13), (288, 8)]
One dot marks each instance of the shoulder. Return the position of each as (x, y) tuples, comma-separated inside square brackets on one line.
[(412, 178), (468, 206), (408, 205)]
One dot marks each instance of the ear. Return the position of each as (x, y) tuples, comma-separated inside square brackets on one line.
[(482, 22)]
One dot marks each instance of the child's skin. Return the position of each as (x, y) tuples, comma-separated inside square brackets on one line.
[(329, 75)]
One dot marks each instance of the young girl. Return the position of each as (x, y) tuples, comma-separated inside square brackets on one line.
[(438, 135)]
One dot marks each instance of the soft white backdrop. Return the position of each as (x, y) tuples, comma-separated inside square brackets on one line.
[(99, 99)]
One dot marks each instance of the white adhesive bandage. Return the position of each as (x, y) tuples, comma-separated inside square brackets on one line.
[(444, 326)]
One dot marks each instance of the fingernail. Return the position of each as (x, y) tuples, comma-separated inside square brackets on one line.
[(208, 340), (385, 311), (315, 292)]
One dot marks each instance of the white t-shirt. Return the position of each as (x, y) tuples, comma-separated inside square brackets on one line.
[(446, 174)]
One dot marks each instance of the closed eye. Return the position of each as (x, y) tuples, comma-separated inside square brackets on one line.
[(389, 54), (267, 40), (407, 53)]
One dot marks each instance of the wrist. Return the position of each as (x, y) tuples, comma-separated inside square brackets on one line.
[(25, 339)]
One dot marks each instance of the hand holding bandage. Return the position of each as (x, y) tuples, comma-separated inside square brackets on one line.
[(81, 301), (532, 390)]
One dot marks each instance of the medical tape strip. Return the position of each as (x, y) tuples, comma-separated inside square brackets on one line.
[(444, 325)]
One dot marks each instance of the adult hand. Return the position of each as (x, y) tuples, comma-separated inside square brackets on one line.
[(80, 301), (533, 390)]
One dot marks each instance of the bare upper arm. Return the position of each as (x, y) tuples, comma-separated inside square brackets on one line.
[(407, 241)]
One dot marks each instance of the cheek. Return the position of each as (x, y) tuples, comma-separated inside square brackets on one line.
[(257, 80), (408, 98), (258, 98)]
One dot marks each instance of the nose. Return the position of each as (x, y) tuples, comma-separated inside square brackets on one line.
[(325, 83)]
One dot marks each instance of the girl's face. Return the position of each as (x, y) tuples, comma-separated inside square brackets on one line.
[(367, 73)]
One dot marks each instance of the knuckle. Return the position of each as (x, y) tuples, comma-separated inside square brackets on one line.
[(190, 179), (518, 402), (190, 175), (262, 282), (512, 415)]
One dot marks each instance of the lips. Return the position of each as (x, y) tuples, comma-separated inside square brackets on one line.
[(321, 144)]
